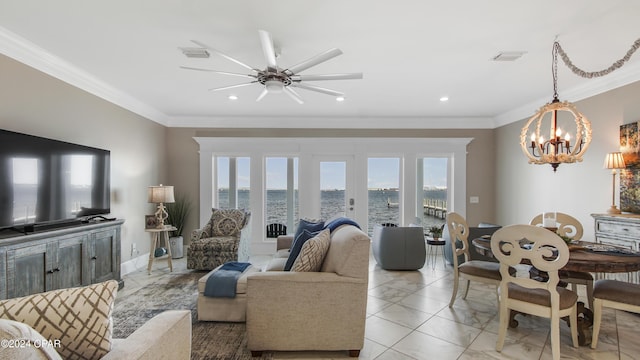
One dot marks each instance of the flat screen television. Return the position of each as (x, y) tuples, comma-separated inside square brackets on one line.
[(45, 183)]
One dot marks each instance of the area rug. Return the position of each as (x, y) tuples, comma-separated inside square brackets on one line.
[(210, 340)]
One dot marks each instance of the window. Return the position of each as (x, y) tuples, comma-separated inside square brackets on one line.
[(281, 191), (432, 186), (233, 182), (383, 185)]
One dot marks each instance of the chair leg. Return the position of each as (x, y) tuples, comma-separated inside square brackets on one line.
[(504, 321), (590, 293), (573, 323), (555, 337), (456, 280), (466, 291), (597, 319)]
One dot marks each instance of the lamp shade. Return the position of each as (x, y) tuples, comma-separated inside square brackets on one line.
[(160, 194), (614, 160)]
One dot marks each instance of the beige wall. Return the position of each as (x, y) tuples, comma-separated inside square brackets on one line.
[(184, 159), (524, 190), (34, 103)]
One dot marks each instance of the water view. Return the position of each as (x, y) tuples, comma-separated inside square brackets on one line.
[(383, 205)]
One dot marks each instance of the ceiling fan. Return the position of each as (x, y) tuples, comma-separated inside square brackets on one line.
[(278, 80)]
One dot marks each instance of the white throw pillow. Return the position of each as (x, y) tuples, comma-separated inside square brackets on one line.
[(313, 252)]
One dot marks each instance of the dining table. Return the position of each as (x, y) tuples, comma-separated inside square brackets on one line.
[(584, 256)]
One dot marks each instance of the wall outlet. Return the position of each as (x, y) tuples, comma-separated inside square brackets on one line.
[(474, 199), (134, 249)]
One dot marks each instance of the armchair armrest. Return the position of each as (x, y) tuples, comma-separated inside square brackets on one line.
[(165, 336), (196, 234), (284, 242)]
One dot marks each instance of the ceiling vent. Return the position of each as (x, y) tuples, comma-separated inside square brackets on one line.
[(508, 56), (193, 52)]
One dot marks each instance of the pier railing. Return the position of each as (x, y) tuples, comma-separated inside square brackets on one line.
[(435, 207)]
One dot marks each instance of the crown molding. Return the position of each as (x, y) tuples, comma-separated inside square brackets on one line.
[(38, 58), (624, 76), (413, 122)]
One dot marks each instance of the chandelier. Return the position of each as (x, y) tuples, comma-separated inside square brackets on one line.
[(568, 131)]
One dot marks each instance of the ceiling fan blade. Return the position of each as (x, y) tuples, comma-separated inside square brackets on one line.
[(320, 58), (268, 49), (352, 76), (233, 86), (218, 72), (262, 94), (294, 95), (223, 55), (317, 89)]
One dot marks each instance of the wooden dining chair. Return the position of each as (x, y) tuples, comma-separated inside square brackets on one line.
[(548, 253), (616, 295), (572, 228), (477, 270)]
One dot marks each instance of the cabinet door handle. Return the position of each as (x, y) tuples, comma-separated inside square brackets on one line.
[(56, 269), (94, 258), (50, 271)]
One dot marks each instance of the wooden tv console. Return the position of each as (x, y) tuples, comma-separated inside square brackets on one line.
[(61, 258)]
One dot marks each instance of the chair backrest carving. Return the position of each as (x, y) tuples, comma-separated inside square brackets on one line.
[(543, 249), (567, 225), (458, 231)]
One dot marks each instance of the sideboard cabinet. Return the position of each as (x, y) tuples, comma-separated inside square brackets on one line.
[(621, 230), (61, 258)]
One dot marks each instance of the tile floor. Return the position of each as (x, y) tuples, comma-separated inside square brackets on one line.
[(408, 318)]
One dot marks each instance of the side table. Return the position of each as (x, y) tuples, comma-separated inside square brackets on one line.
[(155, 242), (432, 251)]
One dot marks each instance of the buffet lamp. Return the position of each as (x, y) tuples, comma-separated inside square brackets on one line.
[(614, 161), (161, 195)]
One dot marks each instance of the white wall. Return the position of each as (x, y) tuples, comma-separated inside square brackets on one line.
[(34, 103), (524, 190)]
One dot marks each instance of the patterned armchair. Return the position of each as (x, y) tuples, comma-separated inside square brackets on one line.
[(225, 238)]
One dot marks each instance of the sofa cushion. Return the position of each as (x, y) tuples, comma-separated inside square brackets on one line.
[(226, 222), (297, 246), (20, 341), (79, 317), (313, 252)]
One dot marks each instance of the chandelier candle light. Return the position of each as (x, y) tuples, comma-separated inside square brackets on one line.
[(614, 161), (561, 147), (160, 195)]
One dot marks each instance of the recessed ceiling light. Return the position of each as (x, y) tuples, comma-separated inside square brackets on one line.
[(340, 98), (233, 97), (444, 98)]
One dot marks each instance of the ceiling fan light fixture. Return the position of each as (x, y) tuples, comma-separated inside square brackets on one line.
[(274, 86)]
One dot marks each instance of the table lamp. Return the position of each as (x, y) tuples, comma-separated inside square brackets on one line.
[(614, 161), (160, 195)]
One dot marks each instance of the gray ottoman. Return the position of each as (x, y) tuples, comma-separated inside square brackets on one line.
[(224, 309)]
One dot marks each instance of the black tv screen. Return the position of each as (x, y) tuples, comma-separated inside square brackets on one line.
[(45, 181)]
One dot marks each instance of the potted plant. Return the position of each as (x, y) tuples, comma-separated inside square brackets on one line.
[(178, 212), (436, 232)]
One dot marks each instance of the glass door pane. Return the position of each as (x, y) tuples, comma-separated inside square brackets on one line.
[(281, 183), (434, 190), (383, 183), (333, 183)]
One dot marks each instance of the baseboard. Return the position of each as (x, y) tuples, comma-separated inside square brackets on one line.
[(134, 264)]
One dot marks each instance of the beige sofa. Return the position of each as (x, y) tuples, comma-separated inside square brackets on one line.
[(78, 324), (326, 310)]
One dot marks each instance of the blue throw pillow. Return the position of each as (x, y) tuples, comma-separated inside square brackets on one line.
[(307, 225), (297, 246), (334, 224)]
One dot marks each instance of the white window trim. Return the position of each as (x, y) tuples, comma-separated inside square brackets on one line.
[(257, 149)]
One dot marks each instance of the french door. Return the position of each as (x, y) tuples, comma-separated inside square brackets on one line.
[(333, 183)]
